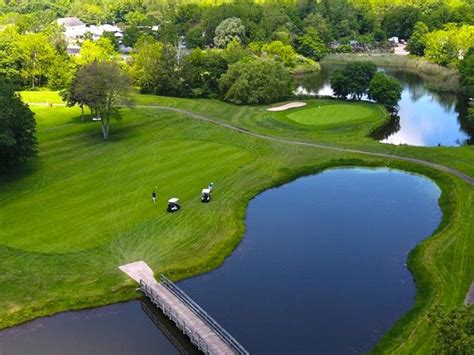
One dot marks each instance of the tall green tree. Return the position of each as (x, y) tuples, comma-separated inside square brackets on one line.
[(17, 127), (311, 45), (354, 79), (104, 87), (400, 21), (416, 44), (229, 30), (37, 54), (386, 91), (466, 70), (256, 81), (155, 68), (340, 84), (449, 45), (101, 50)]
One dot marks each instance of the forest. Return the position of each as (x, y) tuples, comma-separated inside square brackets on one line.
[(297, 33)]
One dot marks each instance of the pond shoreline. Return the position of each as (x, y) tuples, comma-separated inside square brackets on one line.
[(307, 172), (437, 78)]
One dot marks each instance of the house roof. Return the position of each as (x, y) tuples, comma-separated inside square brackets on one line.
[(69, 22)]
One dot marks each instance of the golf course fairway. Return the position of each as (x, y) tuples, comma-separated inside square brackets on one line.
[(83, 207)]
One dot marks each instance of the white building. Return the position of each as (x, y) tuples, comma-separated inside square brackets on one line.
[(76, 31)]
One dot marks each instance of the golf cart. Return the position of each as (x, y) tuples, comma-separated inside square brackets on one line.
[(206, 195), (173, 205)]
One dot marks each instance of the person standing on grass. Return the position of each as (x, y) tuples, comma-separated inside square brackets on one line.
[(153, 196)]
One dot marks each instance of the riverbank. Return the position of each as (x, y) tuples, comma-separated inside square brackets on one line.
[(436, 77), (108, 185)]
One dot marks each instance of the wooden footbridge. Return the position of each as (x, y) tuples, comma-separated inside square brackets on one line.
[(203, 331)]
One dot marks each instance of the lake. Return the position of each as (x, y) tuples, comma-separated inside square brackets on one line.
[(425, 118), (321, 270)]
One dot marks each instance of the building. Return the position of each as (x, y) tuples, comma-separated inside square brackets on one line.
[(76, 31)]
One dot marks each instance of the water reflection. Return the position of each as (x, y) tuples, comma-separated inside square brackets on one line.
[(119, 329), (426, 117)]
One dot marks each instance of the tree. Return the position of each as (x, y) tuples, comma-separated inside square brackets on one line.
[(340, 84), (228, 30), (454, 330), (113, 40), (10, 54), (280, 52), (17, 127), (60, 73), (466, 71), (37, 53), (310, 45), (386, 91), (203, 70), (155, 67), (354, 79), (317, 22), (256, 81), (416, 44), (400, 20), (101, 50), (448, 45), (102, 86)]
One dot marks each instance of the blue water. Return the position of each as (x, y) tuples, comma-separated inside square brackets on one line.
[(425, 117), (320, 270)]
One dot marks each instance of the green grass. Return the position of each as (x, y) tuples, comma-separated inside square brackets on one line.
[(71, 216), (334, 113)]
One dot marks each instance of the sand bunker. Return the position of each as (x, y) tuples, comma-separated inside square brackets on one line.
[(287, 106)]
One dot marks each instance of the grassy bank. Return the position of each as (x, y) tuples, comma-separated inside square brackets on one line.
[(436, 77), (88, 205)]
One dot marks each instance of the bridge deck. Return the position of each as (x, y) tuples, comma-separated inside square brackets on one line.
[(203, 331)]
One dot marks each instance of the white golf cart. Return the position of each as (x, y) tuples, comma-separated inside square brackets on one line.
[(173, 205), (206, 195)]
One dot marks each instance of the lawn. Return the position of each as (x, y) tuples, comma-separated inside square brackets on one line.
[(83, 207), (334, 113)]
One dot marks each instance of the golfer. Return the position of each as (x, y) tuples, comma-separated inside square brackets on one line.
[(153, 196)]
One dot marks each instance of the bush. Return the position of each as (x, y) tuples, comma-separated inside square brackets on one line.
[(256, 81)]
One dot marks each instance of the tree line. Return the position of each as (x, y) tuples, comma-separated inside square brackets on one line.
[(312, 27)]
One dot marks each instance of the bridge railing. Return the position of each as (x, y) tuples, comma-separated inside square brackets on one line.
[(195, 338), (216, 327)]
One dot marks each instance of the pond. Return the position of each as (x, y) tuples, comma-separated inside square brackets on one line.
[(425, 118), (321, 269)]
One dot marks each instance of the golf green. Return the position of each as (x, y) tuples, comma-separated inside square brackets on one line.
[(332, 114)]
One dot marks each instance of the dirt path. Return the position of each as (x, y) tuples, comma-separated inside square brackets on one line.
[(461, 175)]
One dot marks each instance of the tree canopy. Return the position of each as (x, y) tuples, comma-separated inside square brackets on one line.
[(103, 87), (256, 81), (17, 127), (230, 29), (386, 91), (354, 79)]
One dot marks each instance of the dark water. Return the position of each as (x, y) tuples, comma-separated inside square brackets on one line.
[(425, 118), (321, 270)]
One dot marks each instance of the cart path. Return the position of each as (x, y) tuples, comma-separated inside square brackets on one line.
[(467, 178)]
